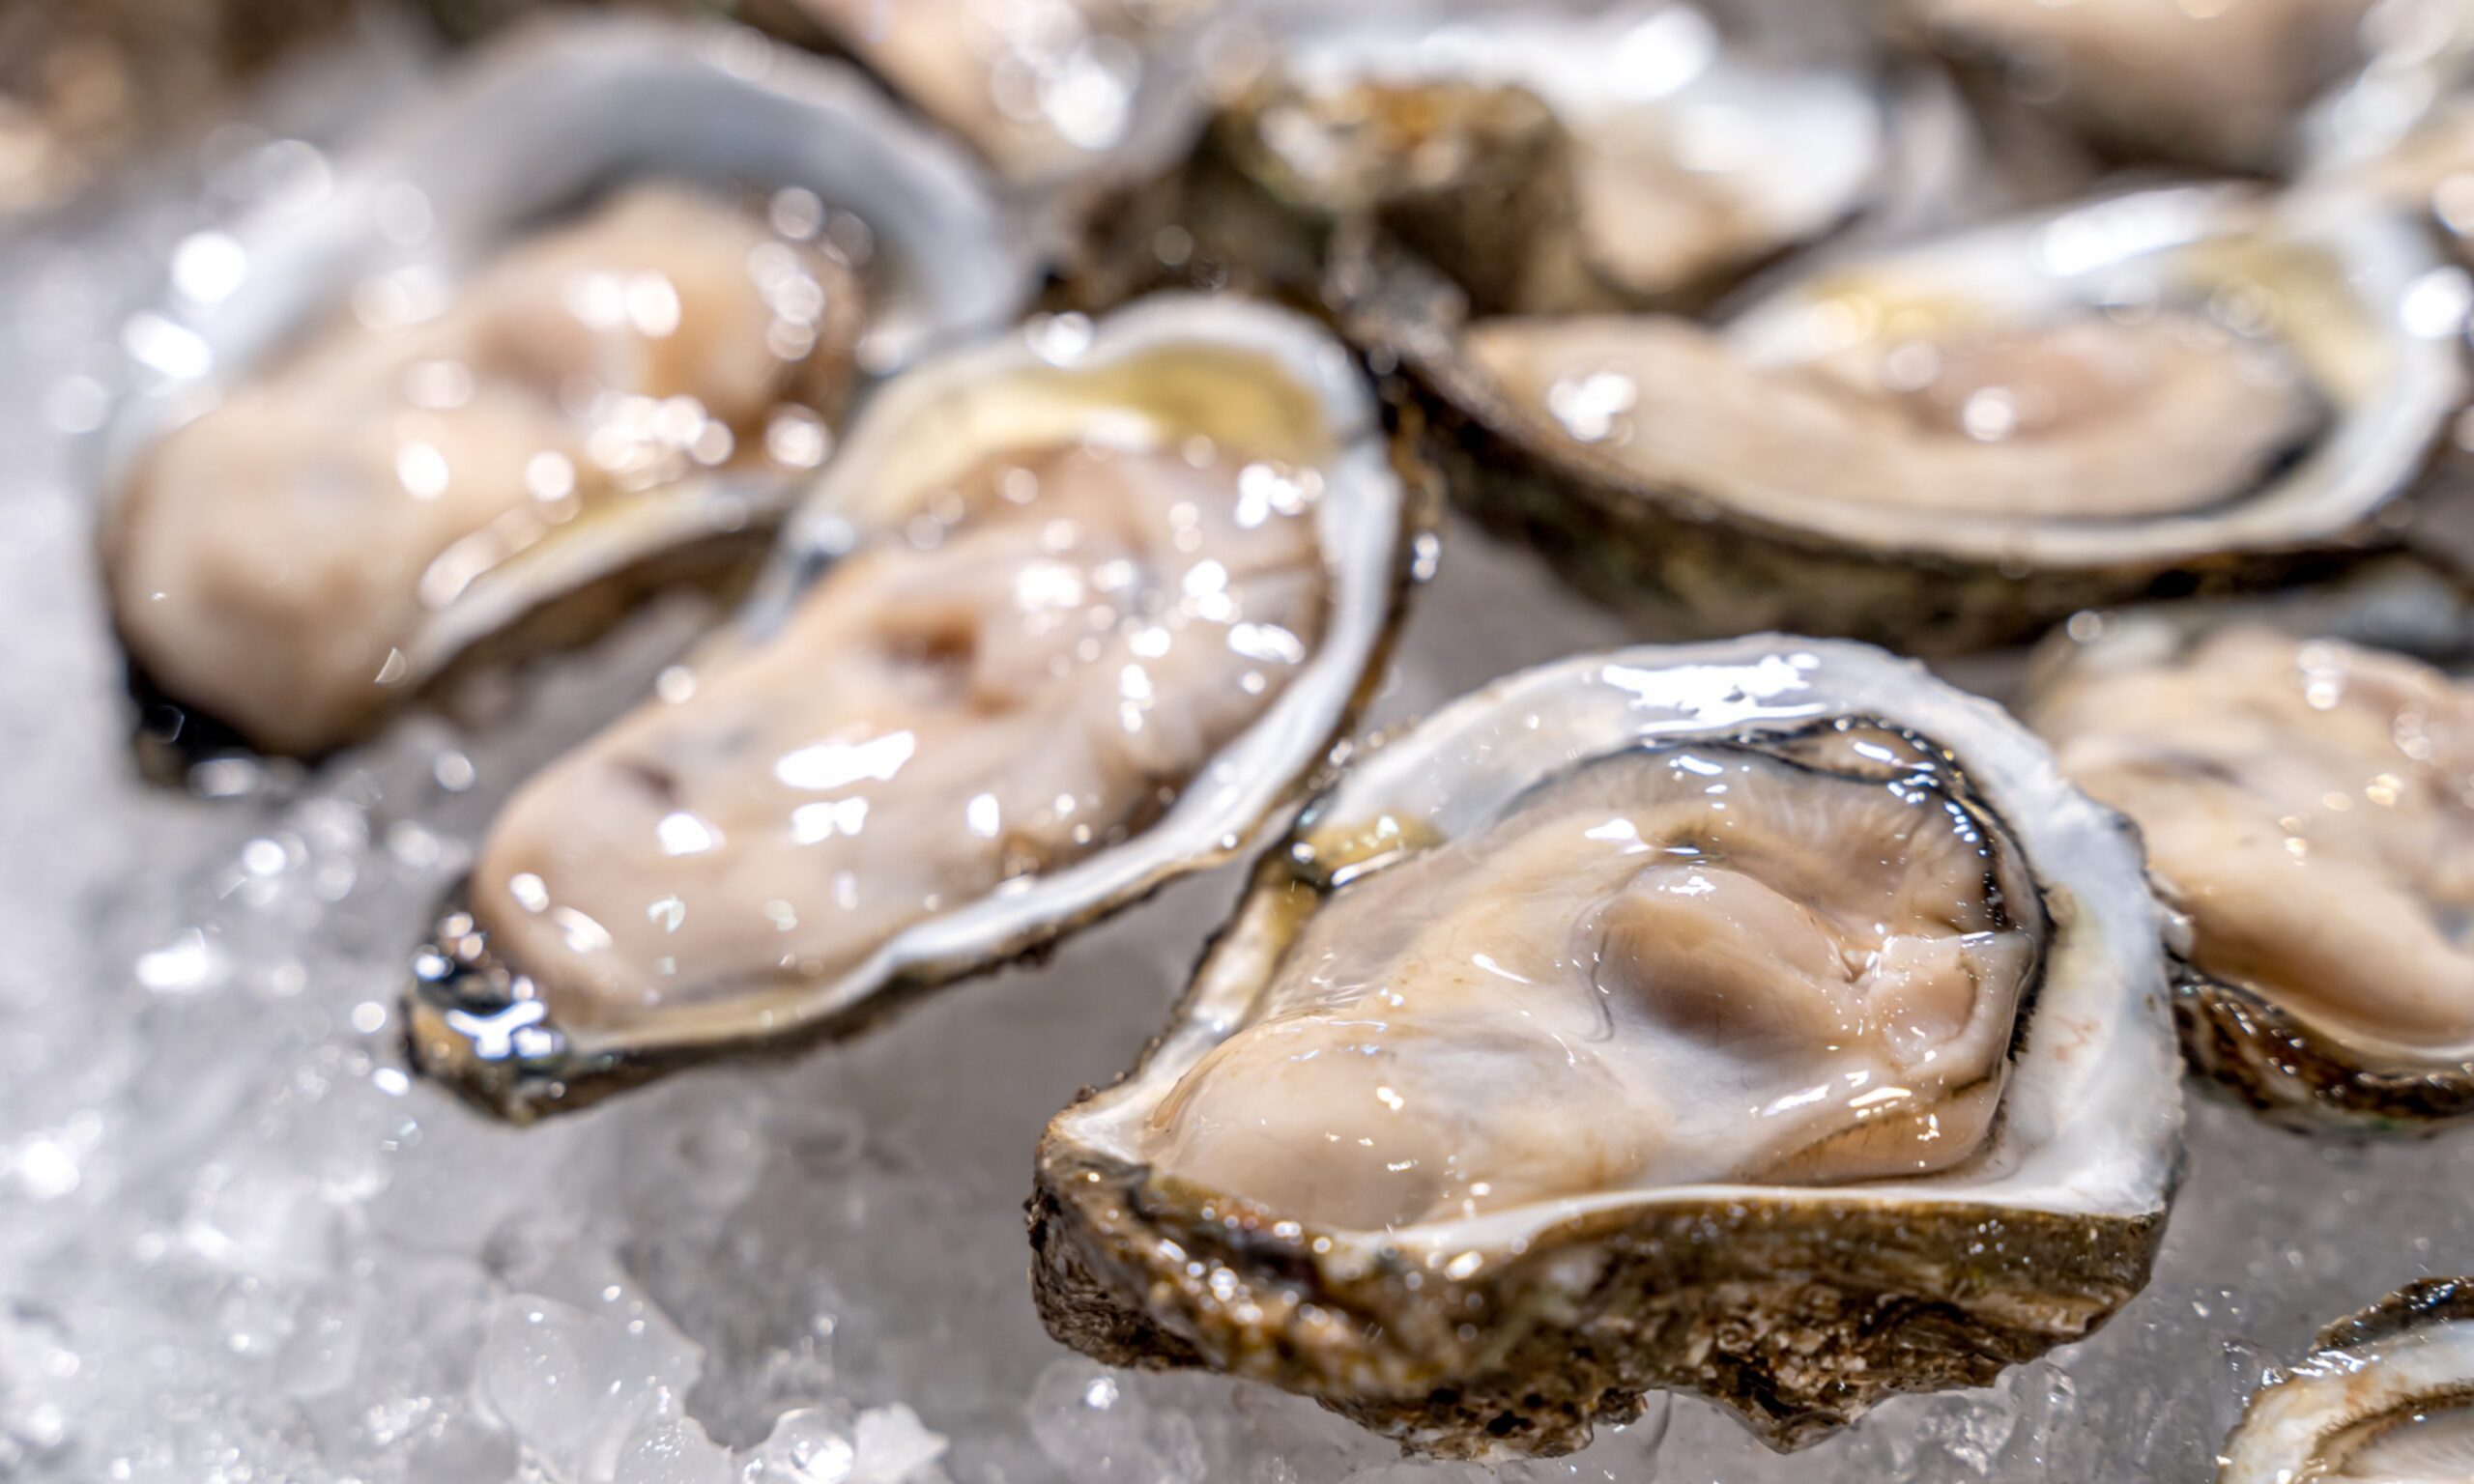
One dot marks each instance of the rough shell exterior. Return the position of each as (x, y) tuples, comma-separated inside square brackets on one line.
[(2299, 1076), (1798, 1326)]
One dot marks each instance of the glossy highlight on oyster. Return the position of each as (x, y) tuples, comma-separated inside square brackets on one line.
[(656, 346), (1663, 1019), (2386, 1398), (2305, 804), (1069, 615)]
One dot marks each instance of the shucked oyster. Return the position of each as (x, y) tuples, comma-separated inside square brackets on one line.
[(457, 396), (1949, 443), (2386, 1398), (1548, 158), (1109, 596), (1764, 1019), (286, 559), (2305, 805), (2220, 84), (1045, 89)]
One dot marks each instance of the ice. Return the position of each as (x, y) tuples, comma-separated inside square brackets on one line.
[(671, 1452), (237, 1243)]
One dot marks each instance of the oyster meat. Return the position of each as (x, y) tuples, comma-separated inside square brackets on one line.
[(1948, 444), (2221, 84), (2386, 1398), (1679, 1019), (2070, 418), (1550, 158), (1093, 621), (2305, 805), (458, 402), (660, 336)]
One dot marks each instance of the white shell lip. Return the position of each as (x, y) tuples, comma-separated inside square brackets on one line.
[(2091, 1122), (2428, 1359), (533, 124), (2394, 369), (1364, 525), (1806, 143)]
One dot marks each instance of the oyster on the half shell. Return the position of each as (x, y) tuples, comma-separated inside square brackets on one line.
[(580, 326), (1947, 443), (2221, 85), (1544, 159), (1764, 1019), (2386, 1398), (2306, 807), (1069, 614), (1050, 90), (1548, 158)]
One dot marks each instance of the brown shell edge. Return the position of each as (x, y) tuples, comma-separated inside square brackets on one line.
[(1796, 1325), (2295, 1075)]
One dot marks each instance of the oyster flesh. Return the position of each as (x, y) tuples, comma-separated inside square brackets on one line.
[(2304, 806), (375, 454), (1069, 615), (2386, 1398), (1764, 1019), (403, 462), (1548, 158), (1946, 445)]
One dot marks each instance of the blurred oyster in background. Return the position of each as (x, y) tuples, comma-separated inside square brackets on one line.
[(1043, 88), (571, 333), (1550, 159), (2386, 1398), (2305, 802), (2218, 84), (585, 376), (84, 83)]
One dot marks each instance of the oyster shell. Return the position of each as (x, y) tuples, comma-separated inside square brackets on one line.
[(1543, 157), (1975, 420), (1050, 90), (2302, 802), (2216, 85), (2386, 1398), (2402, 128), (1069, 615), (435, 471), (1764, 1019)]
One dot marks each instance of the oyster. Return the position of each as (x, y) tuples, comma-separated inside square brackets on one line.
[(1550, 158), (1069, 615), (2220, 85), (1948, 444), (1048, 90), (2402, 128), (368, 460), (1763, 1019), (2386, 1398), (2304, 804)]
